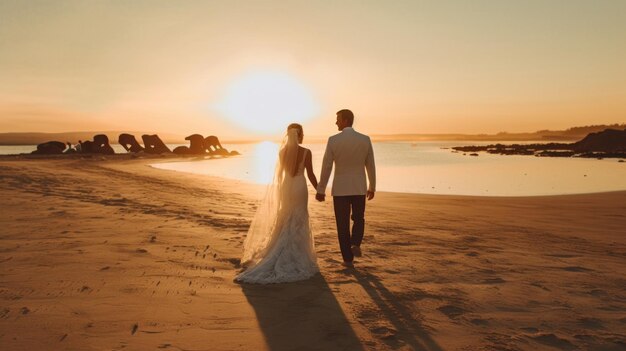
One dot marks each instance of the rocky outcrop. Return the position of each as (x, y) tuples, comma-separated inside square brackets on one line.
[(610, 143), (154, 145), (101, 145), (196, 146), (203, 146), (129, 143), (610, 140), (50, 148), (214, 147)]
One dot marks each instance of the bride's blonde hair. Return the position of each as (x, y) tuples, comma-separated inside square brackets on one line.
[(290, 150), (296, 126)]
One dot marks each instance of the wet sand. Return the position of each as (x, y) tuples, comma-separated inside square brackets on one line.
[(109, 253)]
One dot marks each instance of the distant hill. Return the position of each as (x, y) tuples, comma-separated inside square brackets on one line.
[(576, 133), (571, 134), (609, 143), (74, 137), (609, 140)]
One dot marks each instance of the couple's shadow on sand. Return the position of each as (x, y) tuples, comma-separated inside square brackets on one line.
[(306, 316)]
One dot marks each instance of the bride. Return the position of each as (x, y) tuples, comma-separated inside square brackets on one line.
[(279, 246)]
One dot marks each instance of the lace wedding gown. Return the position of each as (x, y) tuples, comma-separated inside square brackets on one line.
[(289, 252)]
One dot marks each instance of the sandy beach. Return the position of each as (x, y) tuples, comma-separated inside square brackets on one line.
[(107, 253)]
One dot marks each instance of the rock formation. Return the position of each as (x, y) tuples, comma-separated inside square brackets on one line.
[(196, 146), (101, 145), (153, 144), (129, 143), (50, 148), (607, 143), (609, 140), (215, 148)]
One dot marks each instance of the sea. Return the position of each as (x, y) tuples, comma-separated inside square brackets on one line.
[(424, 167)]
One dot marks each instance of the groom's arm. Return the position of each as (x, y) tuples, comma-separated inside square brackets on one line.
[(327, 167), (370, 167)]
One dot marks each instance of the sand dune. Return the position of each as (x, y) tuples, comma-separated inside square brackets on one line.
[(113, 254)]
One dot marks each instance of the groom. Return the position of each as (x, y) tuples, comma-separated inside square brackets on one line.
[(352, 154)]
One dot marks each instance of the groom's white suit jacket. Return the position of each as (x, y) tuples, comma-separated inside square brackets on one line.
[(352, 154)]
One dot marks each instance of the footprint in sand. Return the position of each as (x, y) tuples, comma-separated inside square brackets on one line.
[(590, 323), (553, 341), (539, 285), (451, 311), (576, 269), (479, 322), (598, 293), (384, 332)]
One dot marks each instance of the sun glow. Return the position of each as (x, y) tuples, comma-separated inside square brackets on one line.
[(265, 155), (266, 102)]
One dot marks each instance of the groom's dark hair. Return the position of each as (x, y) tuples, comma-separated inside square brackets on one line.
[(347, 116)]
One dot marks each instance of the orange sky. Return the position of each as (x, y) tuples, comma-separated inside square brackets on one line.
[(402, 66)]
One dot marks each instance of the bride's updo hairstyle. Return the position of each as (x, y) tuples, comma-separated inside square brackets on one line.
[(300, 130)]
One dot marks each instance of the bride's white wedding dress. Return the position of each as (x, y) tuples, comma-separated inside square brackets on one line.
[(279, 247)]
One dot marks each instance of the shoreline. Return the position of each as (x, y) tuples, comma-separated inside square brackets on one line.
[(110, 253), (172, 158), (380, 191)]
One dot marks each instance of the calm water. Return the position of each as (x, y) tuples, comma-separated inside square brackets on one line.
[(425, 167)]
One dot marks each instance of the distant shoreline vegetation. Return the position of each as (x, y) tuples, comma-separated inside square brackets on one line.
[(571, 134)]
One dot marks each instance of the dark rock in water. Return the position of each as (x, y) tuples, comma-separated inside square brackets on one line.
[(50, 148), (609, 140), (153, 144), (473, 154), (202, 146), (556, 153), (608, 143), (101, 145), (215, 148), (196, 146), (129, 143)]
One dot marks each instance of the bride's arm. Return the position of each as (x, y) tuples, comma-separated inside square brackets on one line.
[(308, 163)]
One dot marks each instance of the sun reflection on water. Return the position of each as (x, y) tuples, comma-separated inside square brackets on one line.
[(264, 155), (429, 169)]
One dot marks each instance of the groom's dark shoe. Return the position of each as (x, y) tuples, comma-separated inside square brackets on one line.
[(348, 264), (356, 251)]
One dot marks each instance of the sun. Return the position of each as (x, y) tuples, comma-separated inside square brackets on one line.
[(266, 102)]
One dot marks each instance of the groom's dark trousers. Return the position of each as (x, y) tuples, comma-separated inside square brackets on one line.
[(343, 206)]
